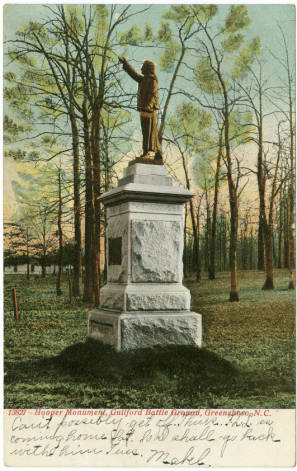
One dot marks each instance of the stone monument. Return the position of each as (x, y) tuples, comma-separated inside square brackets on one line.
[(144, 302)]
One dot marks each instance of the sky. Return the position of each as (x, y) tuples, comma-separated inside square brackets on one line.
[(264, 22), (265, 19)]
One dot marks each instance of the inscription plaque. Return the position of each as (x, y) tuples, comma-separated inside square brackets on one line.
[(115, 251), (104, 331)]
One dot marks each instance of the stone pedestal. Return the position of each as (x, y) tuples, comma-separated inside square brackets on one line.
[(144, 302)]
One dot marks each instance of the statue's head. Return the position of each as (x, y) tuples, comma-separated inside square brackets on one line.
[(149, 68)]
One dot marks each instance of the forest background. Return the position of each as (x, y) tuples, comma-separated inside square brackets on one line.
[(227, 121)]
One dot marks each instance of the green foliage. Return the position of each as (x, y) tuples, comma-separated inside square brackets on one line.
[(33, 155), (18, 240), (36, 192), (49, 363), (101, 15), (240, 127), (12, 130), (183, 19), (167, 59), (204, 13), (190, 126), (206, 77), (23, 59), (191, 129), (164, 34), (9, 76), (240, 130), (15, 95), (61, 59), (191, 119), (148, 32), (246, 58), (177, 13), (204, 175), (12, 260), (16, 154), (28, 31), (133, 36), (48, 140), (226, 52), (232, 42), (236, 19), (75, 20), (186, 16)]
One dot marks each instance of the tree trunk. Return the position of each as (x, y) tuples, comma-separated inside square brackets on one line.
[(89, 216), (107, 184), (60, 233), (233, 196), (185, 244), (105, 248), (274, 248), (261, 188), (245, 248), (292, 282), (192, 213), (224, 244), (207, 234), (269, 285), (286, 231), (233, 246), (198, 271), (291, 218), (27, 254), (220, 255), (97, 207), (43, 263), (233, 201), (169, 94), (251, 249), (261, 242), (215, 211), (280, 235), (77, 263), (195, 237)]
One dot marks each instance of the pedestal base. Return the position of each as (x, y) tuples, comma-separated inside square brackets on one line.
[(145, 329), (145, 297)]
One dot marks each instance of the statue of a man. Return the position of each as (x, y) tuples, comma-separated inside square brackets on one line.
[(147, 105)]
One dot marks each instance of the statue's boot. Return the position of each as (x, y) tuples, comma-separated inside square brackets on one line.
[(159, 155)]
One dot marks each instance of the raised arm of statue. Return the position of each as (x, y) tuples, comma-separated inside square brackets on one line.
[(130, 71)]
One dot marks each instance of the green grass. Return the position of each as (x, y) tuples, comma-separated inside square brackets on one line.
[(247, 359)]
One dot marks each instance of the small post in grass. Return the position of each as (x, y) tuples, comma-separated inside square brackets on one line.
[(15, 304), (70, 292)]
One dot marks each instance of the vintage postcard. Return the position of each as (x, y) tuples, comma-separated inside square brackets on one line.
[(149, 235)]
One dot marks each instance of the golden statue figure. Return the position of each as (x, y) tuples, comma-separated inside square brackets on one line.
[(147, 105)]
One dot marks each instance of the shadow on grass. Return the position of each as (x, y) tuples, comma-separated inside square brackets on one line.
[(184, 372), (190, 364), (91, 361)]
